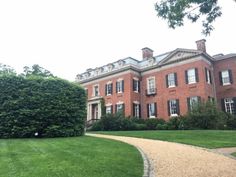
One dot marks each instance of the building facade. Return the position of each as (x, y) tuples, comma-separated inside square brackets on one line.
[(161, 86)]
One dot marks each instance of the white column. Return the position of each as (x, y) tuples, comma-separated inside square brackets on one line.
[(88, 112), (99, 111)]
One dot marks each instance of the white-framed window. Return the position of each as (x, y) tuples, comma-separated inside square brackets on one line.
[(191, 76), (109, 109), (136, 85), (208, 76), (229, 105), (151, 110), (173, 107), (171, 80), (120, 107), (225, 76), (120, 86), (96, 90), (136, 110), (192, 101), (151, 85), (109, 89)]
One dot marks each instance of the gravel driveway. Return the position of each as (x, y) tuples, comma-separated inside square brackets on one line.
[(177, 160)]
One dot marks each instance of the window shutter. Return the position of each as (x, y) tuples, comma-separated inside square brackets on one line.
[(177, 105), (133, 109), (155, 106), (111, 88), (139, 110), (196, 75), (188, 103), (234, 99), (230, 76), (186, 76), (168, 107), (116, 87), (116, 108), (206, 74), (123, 86), (167, 85), (210, 76), (176, 80), (106, 89), (220, 77), (223, 104), (138, 86), (148, 110)]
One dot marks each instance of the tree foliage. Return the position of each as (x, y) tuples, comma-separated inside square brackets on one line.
[(36, 70), (43, 107), (175, 11), (6, 70)]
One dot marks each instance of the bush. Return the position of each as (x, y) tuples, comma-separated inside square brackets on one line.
[(152, 123), (231, 121), (46, 107), (205, 115)]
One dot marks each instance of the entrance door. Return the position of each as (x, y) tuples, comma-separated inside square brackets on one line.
[(95, 111)]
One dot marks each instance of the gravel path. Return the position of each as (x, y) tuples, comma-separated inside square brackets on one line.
[(177, 160)]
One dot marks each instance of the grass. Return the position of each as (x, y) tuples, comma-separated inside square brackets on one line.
[(234, 154), (69, 157), (202, 138)]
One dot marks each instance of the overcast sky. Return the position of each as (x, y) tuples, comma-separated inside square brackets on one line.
[(69, 36)]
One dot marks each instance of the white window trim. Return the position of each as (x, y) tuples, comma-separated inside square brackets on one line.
[(94, 90), (194, 76), (148, 79), (150, 116), (223, 79), (229, 102), (171, 86), (137, 79), (175, 114), (120, 80), (208, 76), (109, 82)]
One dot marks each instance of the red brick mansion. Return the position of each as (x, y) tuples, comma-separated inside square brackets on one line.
[(161, 86)]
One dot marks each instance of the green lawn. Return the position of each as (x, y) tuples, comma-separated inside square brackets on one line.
[(202, 138), (234, 154), (69, 157)]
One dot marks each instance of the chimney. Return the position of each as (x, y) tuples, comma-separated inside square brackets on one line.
[(147, 53), (201, 45)]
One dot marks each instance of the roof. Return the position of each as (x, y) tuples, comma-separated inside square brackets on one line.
[(222, 56)]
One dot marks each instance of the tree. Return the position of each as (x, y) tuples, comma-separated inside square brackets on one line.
[(175, 11), (36, 70), (6, 70)]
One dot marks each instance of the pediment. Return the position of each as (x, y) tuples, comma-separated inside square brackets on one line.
[(179, 54)]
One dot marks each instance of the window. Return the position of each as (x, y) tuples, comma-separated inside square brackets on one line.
[(109, 109), (96, 90), (120, 86), (191, 76), (151, 110), (229, 105), (108, 89), (120, 107), (208, 76), (151, 88), (226, 77), (171, 80), (173, 107), (136, 85), (192, 101), (136, 110)]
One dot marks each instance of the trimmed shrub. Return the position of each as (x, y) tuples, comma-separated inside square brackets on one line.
[(152, 123), (205, 115), (42, 107)]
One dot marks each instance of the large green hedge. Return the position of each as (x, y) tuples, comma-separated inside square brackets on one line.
[(42, 107)]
